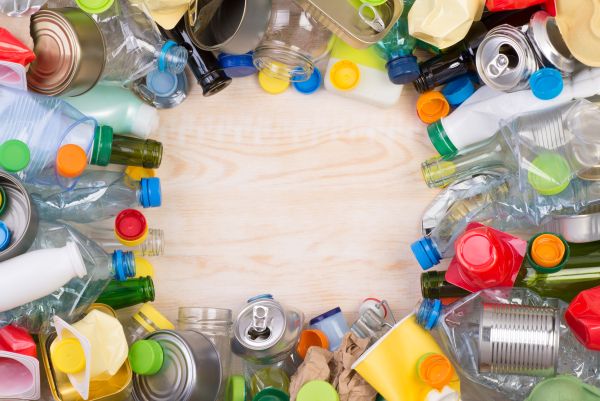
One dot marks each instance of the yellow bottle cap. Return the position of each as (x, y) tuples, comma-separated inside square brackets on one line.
[(137, 173), (68, 356), (548, 250), (272, 85), (431, 106), (344, 75), (151, 319), (435, 370), (71, 161), (143, 268)]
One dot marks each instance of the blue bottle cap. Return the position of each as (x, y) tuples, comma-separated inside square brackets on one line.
[(172, 57), (261, 296), (325, 315), (311, 85), (429, 312), (150, 194), (426, 253), (4, 236), (162, 83), (123, 264), (237, 65), (546, 83), (458, 90), (403, 70)]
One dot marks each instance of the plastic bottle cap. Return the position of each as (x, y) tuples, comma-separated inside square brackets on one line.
[(271, 394), (311, 338), (146, 357), (426, 253), (548, 250), (435, 370), (237, 65), (432, 106), (236, 388), (4, 236), (481, 257), (325, 315), (161, 83), (94, 6), (549, 174), (439, 139), (14, 155), (317, 390), (271, 84), (563, 388), (130, 224), (546, 83), (71, 161), (373, 2), (102, 148), (429, 312), (68, 356), (150, 192), (311, 85), (458, 90), (137, 173), (403, 70), (143, 267), (344, 75)]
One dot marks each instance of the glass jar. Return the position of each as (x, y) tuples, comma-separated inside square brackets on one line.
[(293, 43)]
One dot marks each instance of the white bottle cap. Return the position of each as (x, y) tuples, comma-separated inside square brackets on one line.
[(145, 122)]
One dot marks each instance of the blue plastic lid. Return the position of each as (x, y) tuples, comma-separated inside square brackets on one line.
[(429, 312), (311, 85), (162, 83), (237, 65), (426, 253), (172, 57), (403, 70), (123, 264), (4, 236), (150, 194), (261, 296), (325, 315), (546, 83), (458, 90)]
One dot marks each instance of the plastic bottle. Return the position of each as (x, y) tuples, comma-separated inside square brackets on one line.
[(99, 195), (118, 108), (123, 294), (153, 243), (145, 321), (72, 299)]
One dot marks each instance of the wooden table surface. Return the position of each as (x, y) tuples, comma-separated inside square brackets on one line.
[(315, 199)]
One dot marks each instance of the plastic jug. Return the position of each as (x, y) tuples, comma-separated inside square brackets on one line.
[(360, 75)]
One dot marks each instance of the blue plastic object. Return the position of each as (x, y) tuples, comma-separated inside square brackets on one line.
[(429, 312), (150, 194), (311, 85), (426, 253), (458, 90), (333, 324), (123, 264), (261, 296), (546, 83), (237, 65), (403, 70), (161, 83), (4, 236)]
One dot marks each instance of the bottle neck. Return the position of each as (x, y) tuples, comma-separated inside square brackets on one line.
[(154, 244), (434, 285), (444, 68), (128, 151), (123, 294), (123, 265)]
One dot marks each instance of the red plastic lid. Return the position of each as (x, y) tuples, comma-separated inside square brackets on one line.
[(17, 340), (583, 317), (130, 224)]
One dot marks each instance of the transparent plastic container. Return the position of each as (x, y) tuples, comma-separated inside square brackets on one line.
[(71, 300), (20, 8), (293, 43)]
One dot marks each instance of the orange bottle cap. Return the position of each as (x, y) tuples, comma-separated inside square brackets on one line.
[(435, 370), (311, 338), (431, 106), (71, 161), (345, 75), (548, 250)]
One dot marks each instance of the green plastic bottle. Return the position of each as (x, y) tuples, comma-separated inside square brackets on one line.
[(123, 294), (110, 148)]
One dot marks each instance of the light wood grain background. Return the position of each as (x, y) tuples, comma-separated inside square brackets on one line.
[(314, 199)]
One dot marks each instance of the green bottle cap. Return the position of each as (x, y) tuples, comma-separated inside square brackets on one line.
[(271, 394), (236, 388), (439, 139), (94, 6), (564, 388), (549, 174), (317, 390), (146, 357), (102, 149), (373, 2), (14, 155)]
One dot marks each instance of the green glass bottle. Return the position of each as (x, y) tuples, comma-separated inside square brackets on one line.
[(123, 294), (110, 148)]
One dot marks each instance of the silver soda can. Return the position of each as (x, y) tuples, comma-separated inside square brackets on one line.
[(548, 43), (265, 332)]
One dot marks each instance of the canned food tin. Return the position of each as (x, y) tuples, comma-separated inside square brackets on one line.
[(191, 370), (548, 42), (70, 52)]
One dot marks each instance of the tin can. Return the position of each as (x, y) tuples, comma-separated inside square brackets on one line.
[(70, 52), (191, 370), (265, 332), (19, 214), (549, 44)]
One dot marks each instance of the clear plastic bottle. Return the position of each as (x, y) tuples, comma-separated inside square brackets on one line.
[(71, 300), (99, 195)]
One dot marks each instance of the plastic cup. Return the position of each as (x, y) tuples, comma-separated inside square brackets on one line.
[(19, 376), (333, 324)]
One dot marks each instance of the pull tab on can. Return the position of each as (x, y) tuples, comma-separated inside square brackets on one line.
[(260, 323)]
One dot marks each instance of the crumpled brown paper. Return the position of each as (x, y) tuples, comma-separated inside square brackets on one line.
[(336, 368)]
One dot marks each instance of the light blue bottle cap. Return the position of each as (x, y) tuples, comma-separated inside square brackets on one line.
[(546, 83), (426, 253), (261, 296), (150, 194), (311, 85), (172, 57), (458, 90), (4, 236), (325, 315), (123, 264), (237, 65), (429, 313), (162, 83)]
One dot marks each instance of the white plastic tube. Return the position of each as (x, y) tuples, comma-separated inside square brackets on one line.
[(36, 274)]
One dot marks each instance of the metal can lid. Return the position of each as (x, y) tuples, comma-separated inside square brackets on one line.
[(265, 310), (544, 33)]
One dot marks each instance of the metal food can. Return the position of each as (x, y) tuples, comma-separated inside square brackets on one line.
[(548, 42), (191, 369), (70, 52)]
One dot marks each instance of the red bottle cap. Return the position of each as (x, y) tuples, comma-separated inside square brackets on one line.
[(130, 225), (583, 317), (504, 5)]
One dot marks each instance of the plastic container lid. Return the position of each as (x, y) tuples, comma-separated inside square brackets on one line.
[(146, 357), (458, 90), (123, 265), (546, 83), (150, 194), (435, 370), (344, 75), (162, 83), (403, 70), (429, 312), (102, 148), (426, 253), (271, 394), (94, 6), (548, 252), (432, 106), (317, 390), (311, 85), (71, 161), (550, 174), (130, 224), (143, 267), (311, 338), (325, 315), (271, 84), (481, 257), (4, 236), (14, 155), (236, 388), (67, 355), (563, 388), (237, 65), (439, 139)]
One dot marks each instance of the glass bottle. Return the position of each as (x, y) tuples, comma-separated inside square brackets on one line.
[(145, 321), (123, 294), (110, 148)]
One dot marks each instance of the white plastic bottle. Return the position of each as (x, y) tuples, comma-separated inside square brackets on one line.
[(36, 274)]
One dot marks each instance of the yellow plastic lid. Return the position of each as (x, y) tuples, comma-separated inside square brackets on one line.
[(548, 250), (71, 161), (435, 370), (272, 85), (432, 106), (151, 319), (68, 356), (137, 173), (344, 75), (143, 268)]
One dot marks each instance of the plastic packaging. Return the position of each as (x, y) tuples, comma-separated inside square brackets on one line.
[(578, 23), (19, 376), (504, 5), (582, 318), (12, 49), (21, 8), (333, 324), (13, 75), (145, 321), (564, 388), (17, 340)]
